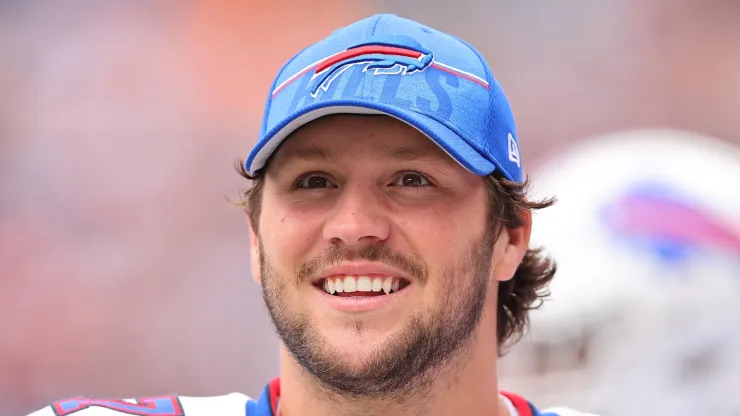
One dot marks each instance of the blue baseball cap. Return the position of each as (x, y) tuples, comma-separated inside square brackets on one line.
[(389, 65)]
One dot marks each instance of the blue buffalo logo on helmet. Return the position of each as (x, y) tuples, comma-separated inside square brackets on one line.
[(383, 58)]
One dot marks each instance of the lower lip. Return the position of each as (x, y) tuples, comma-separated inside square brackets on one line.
[(357, 304)]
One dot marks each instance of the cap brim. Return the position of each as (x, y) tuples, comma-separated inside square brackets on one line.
[(450, 141)]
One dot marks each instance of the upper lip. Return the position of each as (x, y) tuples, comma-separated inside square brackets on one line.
[(361, 269)]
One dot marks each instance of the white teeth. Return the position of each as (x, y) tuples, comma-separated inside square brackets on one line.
[(364, 284), (377, 284), (350, 284), (387, 285)]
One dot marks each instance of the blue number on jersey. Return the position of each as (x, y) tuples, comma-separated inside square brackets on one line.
[(154, 406)]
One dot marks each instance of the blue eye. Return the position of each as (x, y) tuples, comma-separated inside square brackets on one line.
[(412, 179), (313, 182)]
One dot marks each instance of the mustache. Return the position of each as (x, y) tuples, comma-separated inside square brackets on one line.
[(380, 253)]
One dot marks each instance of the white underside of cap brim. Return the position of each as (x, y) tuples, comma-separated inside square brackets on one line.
[(267, 150)]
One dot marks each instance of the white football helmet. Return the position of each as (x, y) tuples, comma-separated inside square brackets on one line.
[(644, 312)]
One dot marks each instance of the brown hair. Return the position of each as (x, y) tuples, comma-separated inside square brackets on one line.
[(507, 205), (526, 290)]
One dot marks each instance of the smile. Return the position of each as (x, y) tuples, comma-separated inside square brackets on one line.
[(361, 285)]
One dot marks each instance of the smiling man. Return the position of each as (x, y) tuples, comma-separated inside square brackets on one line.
[(390, 233)]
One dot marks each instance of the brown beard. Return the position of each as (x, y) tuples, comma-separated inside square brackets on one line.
[(407, 363)]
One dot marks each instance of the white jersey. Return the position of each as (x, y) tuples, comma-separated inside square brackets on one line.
[(235, 404)]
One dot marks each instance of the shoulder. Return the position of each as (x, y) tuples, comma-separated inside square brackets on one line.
[(521, 407), (227, 405)]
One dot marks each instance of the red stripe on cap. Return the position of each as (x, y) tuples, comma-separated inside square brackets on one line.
[(520, 403), (461, 75), (291, 79), (366, 50)]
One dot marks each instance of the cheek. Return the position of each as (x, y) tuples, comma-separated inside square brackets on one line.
[(443, 241), (288, 236), (440, 233)]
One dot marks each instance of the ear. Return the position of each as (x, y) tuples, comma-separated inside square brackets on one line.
[(254, 260), (511, 247)]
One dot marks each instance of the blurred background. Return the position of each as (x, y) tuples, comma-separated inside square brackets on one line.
[(125, 272)]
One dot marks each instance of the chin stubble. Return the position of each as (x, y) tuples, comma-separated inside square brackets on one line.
[(407, 364)]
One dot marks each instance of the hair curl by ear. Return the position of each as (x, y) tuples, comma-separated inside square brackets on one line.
[(526, 290)]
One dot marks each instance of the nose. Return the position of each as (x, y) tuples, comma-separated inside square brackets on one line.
[(358, 218)]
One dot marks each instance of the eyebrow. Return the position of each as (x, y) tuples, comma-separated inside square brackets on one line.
[(323, 154), (401, 154), (310, 154)]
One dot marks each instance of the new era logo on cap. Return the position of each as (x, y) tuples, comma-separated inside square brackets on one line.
[(514, 151), (393, 66)]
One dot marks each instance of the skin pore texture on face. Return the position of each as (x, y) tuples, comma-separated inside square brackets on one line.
[(370, 205)]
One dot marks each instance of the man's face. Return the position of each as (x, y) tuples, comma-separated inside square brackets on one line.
[(375, 253)]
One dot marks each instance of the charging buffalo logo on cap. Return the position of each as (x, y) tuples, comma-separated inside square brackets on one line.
[(384, 58)]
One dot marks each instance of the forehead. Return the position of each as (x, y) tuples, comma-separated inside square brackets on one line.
[(343, 135)]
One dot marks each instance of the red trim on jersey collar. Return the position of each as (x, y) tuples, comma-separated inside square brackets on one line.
[(520, 403), (274, 394)]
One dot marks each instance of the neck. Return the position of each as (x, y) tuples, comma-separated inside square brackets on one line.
[(468, 386)]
